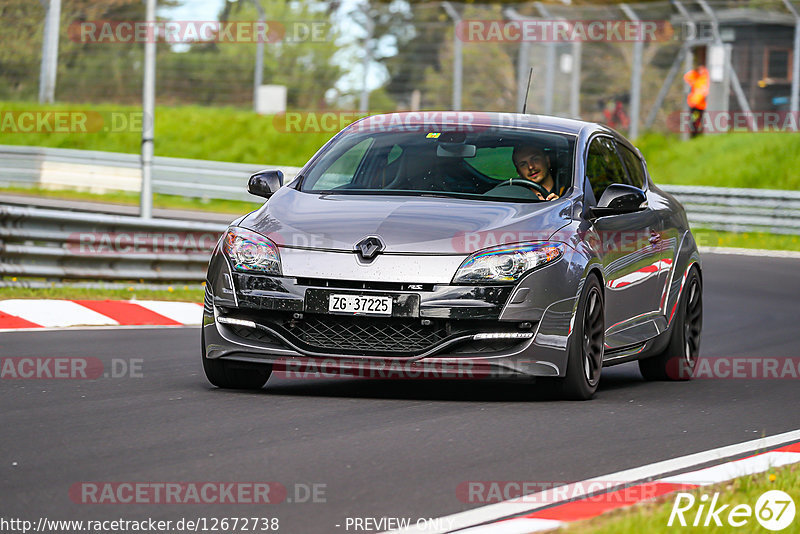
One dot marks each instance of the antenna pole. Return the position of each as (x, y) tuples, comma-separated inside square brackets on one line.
[(527, 90)]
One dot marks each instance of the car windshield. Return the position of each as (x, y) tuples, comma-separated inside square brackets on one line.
[(494, 164)]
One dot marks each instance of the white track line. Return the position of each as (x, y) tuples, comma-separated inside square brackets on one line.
[(542, 499), (739, 468), (517, 526), (761, 253), (79, 328), (693, 479)]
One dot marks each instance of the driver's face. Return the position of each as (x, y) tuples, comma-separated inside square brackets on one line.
[(532, 164)]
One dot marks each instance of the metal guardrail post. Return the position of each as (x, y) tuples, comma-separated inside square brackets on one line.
[(363, 105), (737, 86), (258, 71), (550, 66), (523, 63), (458, 56), (636, 75), (575, 82), (49, 67), (795, 58), (148, 115)]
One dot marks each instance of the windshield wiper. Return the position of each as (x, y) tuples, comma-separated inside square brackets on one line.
[(442, 194)]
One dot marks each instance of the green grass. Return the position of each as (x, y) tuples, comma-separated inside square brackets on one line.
[(178, 293), (221, 134), (759, 240), (760, 160), (653, 517)]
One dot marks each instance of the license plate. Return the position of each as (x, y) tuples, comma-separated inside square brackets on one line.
[(360, 304)]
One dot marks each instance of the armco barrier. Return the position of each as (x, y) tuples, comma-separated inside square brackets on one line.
[(42, 243), (101, 172), (740, 210), (736, 210), (59, 244)]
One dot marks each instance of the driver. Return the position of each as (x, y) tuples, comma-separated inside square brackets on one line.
[(533, 164)]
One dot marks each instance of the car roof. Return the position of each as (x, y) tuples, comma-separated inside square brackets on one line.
[(443, 119)]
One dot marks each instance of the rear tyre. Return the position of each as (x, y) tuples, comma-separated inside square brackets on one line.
[(585, 352), (679, 358), (234, 375)]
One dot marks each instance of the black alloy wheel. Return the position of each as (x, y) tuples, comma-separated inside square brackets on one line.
[(587, 344), (593, 337), (678, 360)]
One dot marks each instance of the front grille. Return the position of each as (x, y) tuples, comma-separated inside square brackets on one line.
[(360, 284), (368, 335), (372, 336), (255, 334), (485, 346)]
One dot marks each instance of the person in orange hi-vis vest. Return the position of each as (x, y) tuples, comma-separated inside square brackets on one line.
[(698, 79)]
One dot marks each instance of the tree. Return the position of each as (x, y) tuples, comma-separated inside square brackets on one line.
[(222, 72), (489, 79)]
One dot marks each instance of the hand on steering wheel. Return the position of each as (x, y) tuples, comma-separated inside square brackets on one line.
[(544, 193)]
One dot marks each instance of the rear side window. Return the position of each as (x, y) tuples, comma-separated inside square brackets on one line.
[(634, 166), (603, 166)]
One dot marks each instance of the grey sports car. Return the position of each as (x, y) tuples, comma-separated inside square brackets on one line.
[(458, 244)]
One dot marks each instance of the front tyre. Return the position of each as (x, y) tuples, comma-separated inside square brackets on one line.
[(234, 375), (679, 358), (585, 356)]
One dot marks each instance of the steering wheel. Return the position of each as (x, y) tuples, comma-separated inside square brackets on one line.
[(526, 183)]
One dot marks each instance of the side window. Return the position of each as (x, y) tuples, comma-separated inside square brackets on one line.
[(393, 154), (343, 170), (603, 166), (634, 166)]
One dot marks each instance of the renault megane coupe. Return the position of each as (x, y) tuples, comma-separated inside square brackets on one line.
[(510, 245)]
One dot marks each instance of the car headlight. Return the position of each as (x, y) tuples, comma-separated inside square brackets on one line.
[(251, 252), (506, 263)]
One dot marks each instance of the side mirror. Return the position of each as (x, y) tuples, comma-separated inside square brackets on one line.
[(618, 199), (265, 183)]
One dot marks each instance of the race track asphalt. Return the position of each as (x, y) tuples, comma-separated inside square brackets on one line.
[(375, 447)]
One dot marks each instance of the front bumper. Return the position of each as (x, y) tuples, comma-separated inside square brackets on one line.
[(284, 321)]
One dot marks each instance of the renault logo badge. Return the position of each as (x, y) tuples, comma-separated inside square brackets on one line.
[(369, 247)]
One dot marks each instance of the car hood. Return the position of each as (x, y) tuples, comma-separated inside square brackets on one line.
[(405, 224)]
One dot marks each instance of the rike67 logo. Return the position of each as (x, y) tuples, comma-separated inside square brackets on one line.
[(774, 510)]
